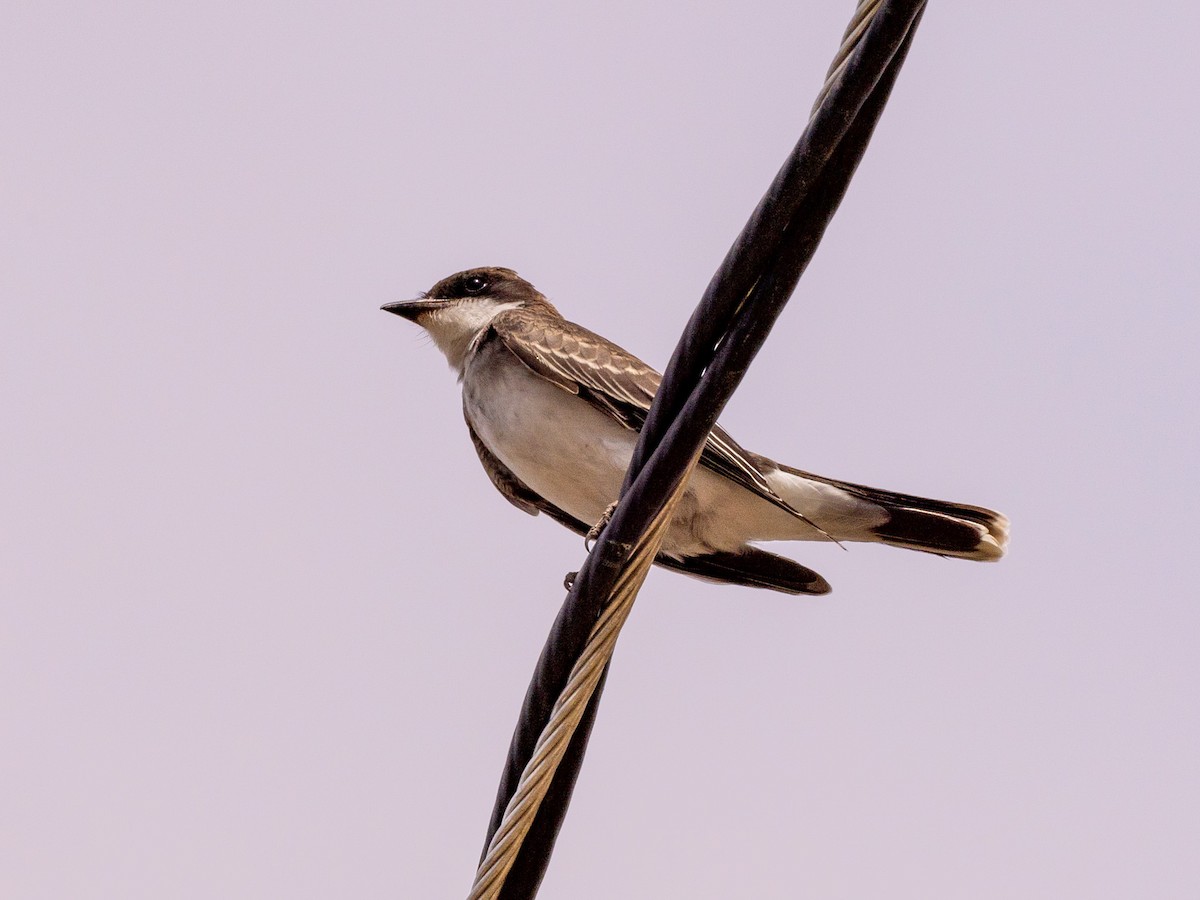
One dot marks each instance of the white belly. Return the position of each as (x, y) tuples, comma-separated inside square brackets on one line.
[(558, 445)]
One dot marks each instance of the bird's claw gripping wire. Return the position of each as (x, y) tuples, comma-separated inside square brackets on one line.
[(593, 534)]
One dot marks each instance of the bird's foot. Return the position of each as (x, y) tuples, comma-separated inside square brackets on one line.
[(594, 532), (569, 580)]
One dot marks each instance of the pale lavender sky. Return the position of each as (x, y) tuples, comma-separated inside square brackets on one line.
[(265, 625)]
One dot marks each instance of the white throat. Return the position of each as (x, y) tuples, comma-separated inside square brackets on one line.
[(456, 327)]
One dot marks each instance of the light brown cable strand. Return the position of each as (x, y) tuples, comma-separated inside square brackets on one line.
[(569, 708), (864, 14)]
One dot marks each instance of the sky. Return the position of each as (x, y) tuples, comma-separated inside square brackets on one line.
[(265, 626)]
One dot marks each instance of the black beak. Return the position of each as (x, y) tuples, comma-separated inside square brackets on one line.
[(410, 309)]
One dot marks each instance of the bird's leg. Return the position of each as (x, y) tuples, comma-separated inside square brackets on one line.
[(592, 536), (594, 532)]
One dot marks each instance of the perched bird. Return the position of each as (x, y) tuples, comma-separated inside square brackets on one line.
[(554, 410)]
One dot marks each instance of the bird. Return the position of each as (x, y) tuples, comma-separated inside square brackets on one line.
[(553, 411)]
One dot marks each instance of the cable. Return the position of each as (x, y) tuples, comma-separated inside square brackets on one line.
[(737, 311)]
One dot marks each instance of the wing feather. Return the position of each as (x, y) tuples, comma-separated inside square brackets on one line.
[(615, 382)]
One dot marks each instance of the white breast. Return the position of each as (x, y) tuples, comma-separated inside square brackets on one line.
[(556, 443)]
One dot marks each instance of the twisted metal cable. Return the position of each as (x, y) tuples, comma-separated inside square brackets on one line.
[(864, 14), (568, 710)]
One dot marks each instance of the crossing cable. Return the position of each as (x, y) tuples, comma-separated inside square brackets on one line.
[(737, 311)]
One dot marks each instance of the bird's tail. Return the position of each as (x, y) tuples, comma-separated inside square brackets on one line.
[(932, 526)]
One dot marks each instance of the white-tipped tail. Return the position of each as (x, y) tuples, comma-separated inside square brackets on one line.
[(920, 523)]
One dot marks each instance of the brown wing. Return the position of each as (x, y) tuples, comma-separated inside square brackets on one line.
[(616, 382)]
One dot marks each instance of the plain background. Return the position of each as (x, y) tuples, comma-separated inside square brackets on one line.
[(265, 624)]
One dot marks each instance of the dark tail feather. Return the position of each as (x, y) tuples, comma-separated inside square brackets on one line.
[(935, 526), (751, 567)]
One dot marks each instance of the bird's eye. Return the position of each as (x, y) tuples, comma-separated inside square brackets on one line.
[(474, 284)]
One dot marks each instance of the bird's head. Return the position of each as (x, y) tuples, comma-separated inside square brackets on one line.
[(458, 309)]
